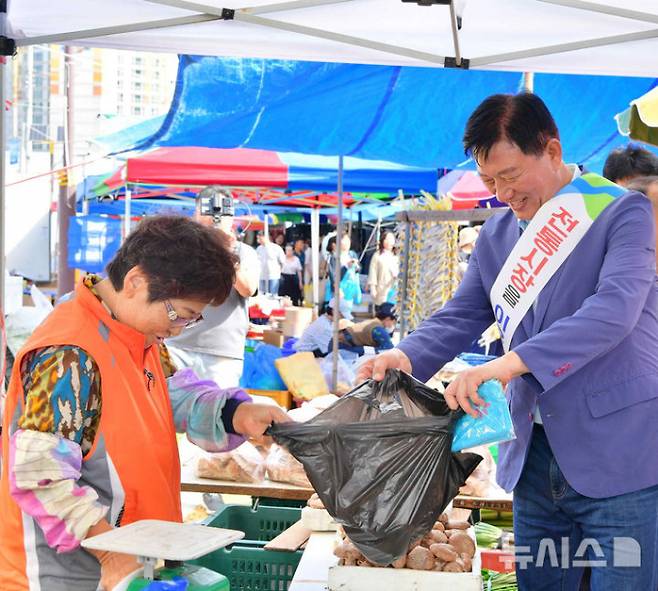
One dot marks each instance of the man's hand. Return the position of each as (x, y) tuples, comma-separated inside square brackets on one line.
[(463, 391), (114, 566), (252, 420), (376, 367)]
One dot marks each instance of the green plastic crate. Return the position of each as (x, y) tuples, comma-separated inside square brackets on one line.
[(253, 569), (262, 524), (272, 502)]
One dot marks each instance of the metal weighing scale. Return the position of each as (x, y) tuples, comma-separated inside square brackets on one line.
[(175, 543)]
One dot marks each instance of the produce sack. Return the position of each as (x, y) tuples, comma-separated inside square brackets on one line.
[(492, 426), (380, 460), (283, 467), (243, 464)]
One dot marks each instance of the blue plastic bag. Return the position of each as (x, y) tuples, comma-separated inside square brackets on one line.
[(493, 426), (176, 584), (259, 372)]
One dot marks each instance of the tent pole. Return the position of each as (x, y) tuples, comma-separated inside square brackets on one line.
[(249, 15), (126, 213), (405, 279), (3, 67), (336, 308), (529, 81), (612, 10), (105, 31), (454, 23), (488, 60), (315, 256), (277, 7), (66, 197)]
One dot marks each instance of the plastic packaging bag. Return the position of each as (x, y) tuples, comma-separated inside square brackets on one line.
[(346, 375), (243, 464), (282, 467), (380, 461), (493, 426), (259, 372)]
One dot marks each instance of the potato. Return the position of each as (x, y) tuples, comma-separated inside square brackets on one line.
[(364, 562), (462, 543), (443, 518), (400, 562), (453, 567), (339, 550), (467, 562), (351, 551), (420, 559), (458, 525), (438, 536), (414, 545), (438, 525), (315, 502), (439, 564), (444, 552), (449, 532)]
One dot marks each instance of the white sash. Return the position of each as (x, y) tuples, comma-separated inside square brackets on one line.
[(551, 236)]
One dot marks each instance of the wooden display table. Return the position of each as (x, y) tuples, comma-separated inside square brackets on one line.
[(190, 482)]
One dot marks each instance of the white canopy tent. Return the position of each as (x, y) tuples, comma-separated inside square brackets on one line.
[(615, 37)]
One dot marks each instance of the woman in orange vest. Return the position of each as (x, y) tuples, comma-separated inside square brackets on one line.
[(88, 437)]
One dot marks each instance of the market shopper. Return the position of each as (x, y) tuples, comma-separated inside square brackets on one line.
[(630, 162), (271, 258), (88, 438), (375, 332), (317, 337), (291, 277), (214, 348), (384, 270), (569, 273)]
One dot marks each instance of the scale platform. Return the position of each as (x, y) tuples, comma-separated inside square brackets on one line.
[(166, 540)]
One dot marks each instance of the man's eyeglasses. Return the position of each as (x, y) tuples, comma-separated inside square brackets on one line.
[(176, 320)]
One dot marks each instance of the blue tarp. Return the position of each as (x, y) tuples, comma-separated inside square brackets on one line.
[(412, 116), (93, 241)]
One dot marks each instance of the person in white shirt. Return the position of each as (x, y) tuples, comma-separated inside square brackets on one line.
[(317, 337), (291, 277), (271, 259), (384, 270)]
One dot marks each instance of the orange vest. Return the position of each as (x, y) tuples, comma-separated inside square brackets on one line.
[(133, 464)]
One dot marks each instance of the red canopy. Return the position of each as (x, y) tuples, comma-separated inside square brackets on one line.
[(208, 166)]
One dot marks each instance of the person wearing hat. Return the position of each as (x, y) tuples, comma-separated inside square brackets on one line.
[(318, 335), (370, 333)]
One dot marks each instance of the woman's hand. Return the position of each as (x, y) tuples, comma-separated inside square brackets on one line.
[(252, 420)]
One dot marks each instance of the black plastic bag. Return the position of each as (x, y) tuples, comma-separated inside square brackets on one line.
[(380, 461)]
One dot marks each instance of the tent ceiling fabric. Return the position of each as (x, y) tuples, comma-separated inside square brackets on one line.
[(242, 167), (492, 32), (412, 116)]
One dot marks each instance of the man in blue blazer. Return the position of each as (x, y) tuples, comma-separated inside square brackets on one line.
[(582, 363)]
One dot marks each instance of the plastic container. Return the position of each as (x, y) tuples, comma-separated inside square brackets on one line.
[(252, 568), (282, 397), (262, 524)]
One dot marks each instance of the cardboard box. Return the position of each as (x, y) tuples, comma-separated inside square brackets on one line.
[(274, 337), (296, 320)]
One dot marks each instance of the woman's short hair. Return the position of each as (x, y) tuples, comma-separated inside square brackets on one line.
[(180, 258)]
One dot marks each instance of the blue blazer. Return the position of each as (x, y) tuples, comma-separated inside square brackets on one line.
[(591, 344)]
